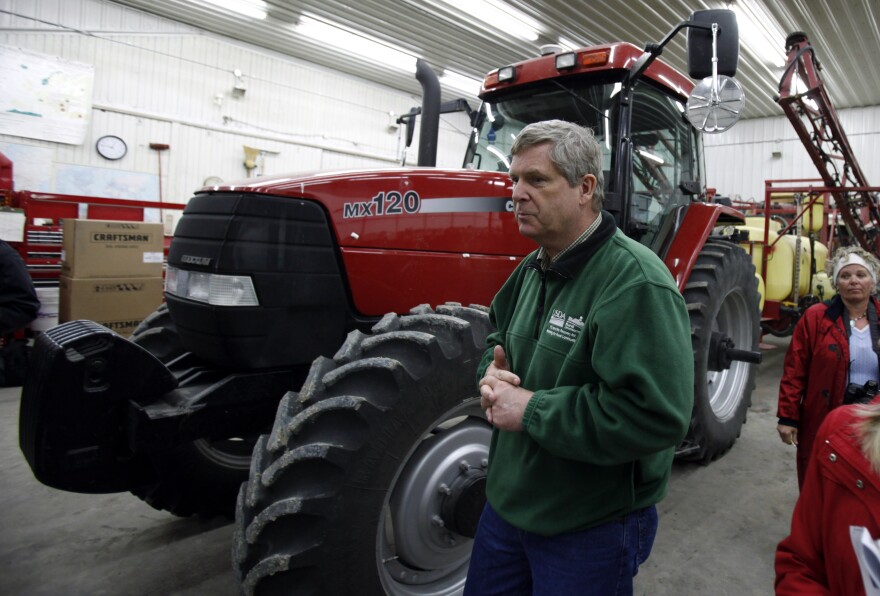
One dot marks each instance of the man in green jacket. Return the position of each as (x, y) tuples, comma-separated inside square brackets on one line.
[(588, 382)]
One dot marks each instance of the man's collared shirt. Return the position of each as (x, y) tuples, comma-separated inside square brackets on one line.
[(546, 261)]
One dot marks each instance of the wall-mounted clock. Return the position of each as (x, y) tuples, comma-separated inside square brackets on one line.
[(111, 147)]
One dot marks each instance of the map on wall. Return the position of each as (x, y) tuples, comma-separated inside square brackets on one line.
[(31, 166), (44, 97), (101, 182)]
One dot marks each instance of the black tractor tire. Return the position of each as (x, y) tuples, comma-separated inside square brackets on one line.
[(373, 477), (158, 335), (722, 296), (783, 327), (199, 478)]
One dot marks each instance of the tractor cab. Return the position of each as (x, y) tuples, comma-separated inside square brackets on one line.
[(650, 152), (642, 112)]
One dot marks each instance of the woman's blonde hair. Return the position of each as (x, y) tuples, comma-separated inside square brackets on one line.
[(869, 431), (841, 254)]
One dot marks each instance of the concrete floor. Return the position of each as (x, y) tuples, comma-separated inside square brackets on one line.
[(719, 526)]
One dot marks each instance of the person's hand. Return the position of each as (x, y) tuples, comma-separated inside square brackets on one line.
[(500, 368), (504, 403), (494, 391), (788, 434)]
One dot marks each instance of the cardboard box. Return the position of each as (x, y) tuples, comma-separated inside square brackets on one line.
[(118, 303), (98, 248)]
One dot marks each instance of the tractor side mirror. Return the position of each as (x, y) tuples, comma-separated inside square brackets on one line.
[(700, 42), (716, 103)]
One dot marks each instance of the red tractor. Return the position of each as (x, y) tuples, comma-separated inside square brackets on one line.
[(371, 478)]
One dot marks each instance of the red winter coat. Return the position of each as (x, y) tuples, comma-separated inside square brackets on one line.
[(815, 373), (840, 491)]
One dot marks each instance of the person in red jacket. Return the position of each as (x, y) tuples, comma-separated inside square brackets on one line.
[(834, 346), (842, 490)]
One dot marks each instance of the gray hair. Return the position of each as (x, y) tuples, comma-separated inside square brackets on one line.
[(575, 152), (841, 255)]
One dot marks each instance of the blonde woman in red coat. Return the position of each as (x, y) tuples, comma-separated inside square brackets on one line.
[(834, 344), (842, 489)]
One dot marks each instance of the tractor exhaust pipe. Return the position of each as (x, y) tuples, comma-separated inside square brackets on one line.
[(430, 114)]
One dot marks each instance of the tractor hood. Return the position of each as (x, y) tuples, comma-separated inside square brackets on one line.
[(323, 250), (417, 209)]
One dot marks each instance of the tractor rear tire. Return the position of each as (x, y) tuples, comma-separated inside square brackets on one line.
[(373, 477), (199, 478), (722, 296)]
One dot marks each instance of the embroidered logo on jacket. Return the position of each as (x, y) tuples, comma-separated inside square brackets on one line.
[(564, 326)]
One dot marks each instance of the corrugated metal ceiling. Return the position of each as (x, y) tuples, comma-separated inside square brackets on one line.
[(845, 34)]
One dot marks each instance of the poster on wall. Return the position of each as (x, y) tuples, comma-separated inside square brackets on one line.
[(44, 97)]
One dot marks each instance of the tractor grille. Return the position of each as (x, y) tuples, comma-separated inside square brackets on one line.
[(287, 248)]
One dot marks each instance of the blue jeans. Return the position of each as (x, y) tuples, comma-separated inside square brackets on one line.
[(600, 561)]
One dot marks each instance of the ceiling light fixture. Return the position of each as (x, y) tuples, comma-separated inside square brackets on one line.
[(759, 33), (256, 9), (355, 43), (499, 17), (460, 82)]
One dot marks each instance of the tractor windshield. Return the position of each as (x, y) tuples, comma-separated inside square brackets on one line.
[(588, 104), (648, 174)]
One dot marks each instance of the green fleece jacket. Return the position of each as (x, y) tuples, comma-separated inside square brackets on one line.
[(603, 339)]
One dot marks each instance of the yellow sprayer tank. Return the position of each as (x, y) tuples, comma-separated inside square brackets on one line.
[(822, 286), (781, 266), (755, 246), (779, 282), (758, 222), (762, 291), (813, 217)]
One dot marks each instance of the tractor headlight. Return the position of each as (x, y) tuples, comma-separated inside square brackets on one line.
[(211, 288)]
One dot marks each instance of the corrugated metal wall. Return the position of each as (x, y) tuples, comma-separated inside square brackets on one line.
[(739, 160), (157, 81)]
